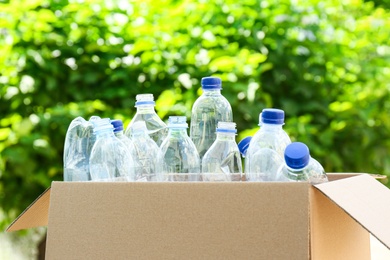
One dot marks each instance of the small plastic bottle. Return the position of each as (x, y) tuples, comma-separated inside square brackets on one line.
[(243, 145), (179, 159), (300, 166), (118, 132), (110, 159), (222, 162), (157, 129), (146, 151), (77, 149), (265, 153), (209, 109)]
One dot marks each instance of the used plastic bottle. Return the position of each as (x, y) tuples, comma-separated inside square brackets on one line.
[(300, 166), (210, 108), (110, 159), (179, 159), (222, 162), (146, 151), (118, 132), (77, 149), (266, 149), (243, 145), (157, 129)]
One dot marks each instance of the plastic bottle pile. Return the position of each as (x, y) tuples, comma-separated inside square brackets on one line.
[(149, 150)]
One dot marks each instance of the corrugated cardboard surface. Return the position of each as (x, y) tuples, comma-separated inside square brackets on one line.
[(335, 235), (179, 221), (36, 215), (365, 200)]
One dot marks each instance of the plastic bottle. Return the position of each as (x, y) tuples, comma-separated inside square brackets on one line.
[(243, 145), (118, 132), (179, 157), (210, 108), (300, 166), (266, 149), (222, 162), (146, 151), (157, 129), (78, 144), (110, 159)]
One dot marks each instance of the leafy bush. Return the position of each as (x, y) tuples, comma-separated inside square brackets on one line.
[(324, 62)]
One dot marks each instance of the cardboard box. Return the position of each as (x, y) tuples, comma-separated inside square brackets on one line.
[(241, 220)]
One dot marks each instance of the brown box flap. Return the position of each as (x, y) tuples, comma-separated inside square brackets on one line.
[(179, 221), (35, 215), (333, 176), (366, 200)]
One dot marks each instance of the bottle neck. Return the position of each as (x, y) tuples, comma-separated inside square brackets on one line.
[(226, 136), (119, 134), (296, 174), (211, 92), (104, 133), (177, 131), (271, 127), (145, 109)]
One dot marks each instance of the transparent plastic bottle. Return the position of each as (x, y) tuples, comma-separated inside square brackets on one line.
[(78, 144), (243, 148), (146, 151), (157, 129), (118, 132), (243, 145), (266, 149), (300, 166), (222, 162), (179, 159), (210, 108), (110, 159)]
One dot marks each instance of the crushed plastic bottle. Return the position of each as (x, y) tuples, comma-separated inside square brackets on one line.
[(118, 132), (299, 166), (209, 109), (179, 159), (146, 151), (222, 161), (77, 149), (145, 105), (265, 153), (110, 159)]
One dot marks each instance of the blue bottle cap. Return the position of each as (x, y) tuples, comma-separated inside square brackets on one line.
[(117, 124), (244, 144), (211, 83), (272, 116), (297, 155)]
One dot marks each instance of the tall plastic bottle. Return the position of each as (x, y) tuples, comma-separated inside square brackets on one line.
[(265, 153), (179, 159), (77, 149), (300, 166), (157, 129), (110, 159), (222, 162), (118, 132), (210, 108), (146, 151)]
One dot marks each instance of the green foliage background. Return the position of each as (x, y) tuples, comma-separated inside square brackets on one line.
[(326, 63)]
